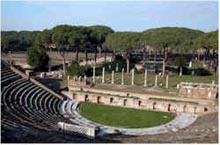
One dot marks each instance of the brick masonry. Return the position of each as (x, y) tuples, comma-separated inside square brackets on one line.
[(139, 103)]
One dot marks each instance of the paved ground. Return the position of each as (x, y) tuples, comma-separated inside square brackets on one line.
[(203, 130)]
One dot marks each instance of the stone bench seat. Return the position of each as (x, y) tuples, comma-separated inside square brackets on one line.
[(26, 105)]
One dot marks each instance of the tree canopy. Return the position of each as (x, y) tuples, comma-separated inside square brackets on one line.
[(68, 37), (123, 41), (172, 37), (37, 58), (13, 40), (207, 40)]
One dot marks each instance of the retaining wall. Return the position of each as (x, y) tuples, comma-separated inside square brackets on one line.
[(138, 103)]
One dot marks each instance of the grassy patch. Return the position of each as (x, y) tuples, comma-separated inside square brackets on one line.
[(172, 100), (124, 117)]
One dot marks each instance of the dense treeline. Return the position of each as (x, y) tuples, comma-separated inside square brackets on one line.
[(63, 38), (15, 41), (80, 38)]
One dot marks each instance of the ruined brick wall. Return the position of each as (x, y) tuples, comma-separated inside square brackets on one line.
[(196, 90), (143, 103)]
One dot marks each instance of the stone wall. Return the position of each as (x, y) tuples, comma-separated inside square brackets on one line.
[(197, 90), (166, 106), (76, 129), (140, 95)]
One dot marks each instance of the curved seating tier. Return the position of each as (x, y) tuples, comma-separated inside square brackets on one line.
[(25, 105)]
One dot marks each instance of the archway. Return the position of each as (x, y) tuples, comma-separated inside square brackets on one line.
[(124, 102), (154, 105), (98, 99), (111, 100), (86, 98), (139, 103), (205, 109), (169, 106), (184, 108), (74, 96)]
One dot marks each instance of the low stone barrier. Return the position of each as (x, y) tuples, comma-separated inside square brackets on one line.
[(86, 131), (45, 88), (140, 95), (138, 103), (18, 72), (35, 82)]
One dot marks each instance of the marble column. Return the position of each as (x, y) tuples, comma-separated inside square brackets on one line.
[(190, 64), (164, 68), (181, 69), (68, 78), (177, 86), (85, 78), (103, 75), (132, 77), (145, 78), (122, 76), (93, 74), (116, 69), (167, 81), (155, 83), (213, 82), (109, 67), (113, 77)]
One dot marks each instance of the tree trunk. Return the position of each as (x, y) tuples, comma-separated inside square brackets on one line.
[(144, 55), (77, 55), (165, 54), (128, 64), (216, 73), (86, 56), (164, 67), (105, 56), (64, 67), (155, 58), (62, 54), (100, 51), (95, 55)]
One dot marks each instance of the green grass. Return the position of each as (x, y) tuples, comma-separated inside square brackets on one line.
[(124, 117), (172, 100)]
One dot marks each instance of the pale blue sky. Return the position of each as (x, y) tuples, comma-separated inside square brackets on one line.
[(121, 15)]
